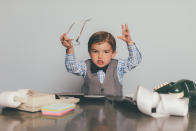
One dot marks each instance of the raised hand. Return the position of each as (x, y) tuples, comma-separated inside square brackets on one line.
[(126, 35), (67, 42)]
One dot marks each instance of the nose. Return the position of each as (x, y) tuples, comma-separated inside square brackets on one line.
[(100, 55)]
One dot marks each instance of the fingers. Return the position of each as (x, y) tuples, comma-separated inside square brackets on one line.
[(126, 28), (125, 33), (62, 36), (121, 37), (67, 42), (66, 38), (123, 29)]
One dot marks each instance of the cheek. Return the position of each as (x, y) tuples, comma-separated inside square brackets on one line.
[(90, 54), (108, 57), (93, 56)]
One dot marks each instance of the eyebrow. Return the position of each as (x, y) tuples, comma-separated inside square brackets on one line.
[(103, 50), (93, 49), (107, 50)]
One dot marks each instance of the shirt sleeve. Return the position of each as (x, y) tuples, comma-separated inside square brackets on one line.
[(134, 58), (75, 67)]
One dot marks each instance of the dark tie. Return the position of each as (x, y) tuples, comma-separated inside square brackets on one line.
[(95, 69)]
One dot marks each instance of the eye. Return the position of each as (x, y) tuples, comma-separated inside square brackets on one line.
[(106, 51), (94, 51)]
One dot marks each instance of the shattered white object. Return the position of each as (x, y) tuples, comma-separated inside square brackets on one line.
[(164, 104), (7, 97)]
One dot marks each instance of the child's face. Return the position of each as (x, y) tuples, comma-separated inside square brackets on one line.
[(101, 54)]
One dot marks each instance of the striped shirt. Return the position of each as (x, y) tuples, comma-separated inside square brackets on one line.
[(124, 65)]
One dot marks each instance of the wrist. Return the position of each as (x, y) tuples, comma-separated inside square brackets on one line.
[(70, 50), (130, 43)]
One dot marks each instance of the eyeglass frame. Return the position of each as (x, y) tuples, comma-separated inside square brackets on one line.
[(77, 39)]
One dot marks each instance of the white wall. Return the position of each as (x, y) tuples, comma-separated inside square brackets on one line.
[(31, 55)]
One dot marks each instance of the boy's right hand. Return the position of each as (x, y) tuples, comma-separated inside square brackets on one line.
[(67, 42)]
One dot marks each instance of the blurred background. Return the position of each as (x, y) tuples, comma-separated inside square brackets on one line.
[(31, 55)]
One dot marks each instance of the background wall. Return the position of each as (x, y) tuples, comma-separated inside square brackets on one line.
[(31, 55)]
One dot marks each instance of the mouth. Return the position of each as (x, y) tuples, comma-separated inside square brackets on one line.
[(100, 62)]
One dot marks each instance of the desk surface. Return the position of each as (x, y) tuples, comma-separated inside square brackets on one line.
[(95, 115)]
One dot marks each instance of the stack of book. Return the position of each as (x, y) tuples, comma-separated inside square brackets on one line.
[(58, 109)]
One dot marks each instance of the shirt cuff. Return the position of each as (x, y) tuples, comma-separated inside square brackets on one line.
[(70, 56), (132, 47)]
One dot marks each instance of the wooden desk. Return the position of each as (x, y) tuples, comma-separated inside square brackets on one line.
[(95, 115)]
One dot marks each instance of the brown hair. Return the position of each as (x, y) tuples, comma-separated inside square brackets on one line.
[(100, 37)]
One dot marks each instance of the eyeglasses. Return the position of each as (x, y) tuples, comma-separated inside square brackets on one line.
[(77, 42)]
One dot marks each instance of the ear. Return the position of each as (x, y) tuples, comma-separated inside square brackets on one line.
[(113, 54)]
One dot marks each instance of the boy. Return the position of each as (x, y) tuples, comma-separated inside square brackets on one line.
[(102, 74)]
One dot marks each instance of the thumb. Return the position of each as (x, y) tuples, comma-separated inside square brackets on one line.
[(120, 37)]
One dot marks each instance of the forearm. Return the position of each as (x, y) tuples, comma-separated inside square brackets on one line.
[(70, 60), (134, 57), (74, 66)]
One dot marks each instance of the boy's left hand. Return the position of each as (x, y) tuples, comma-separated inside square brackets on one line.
[(126, 35)]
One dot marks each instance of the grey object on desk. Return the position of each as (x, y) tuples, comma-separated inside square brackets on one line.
[(28, 100), (93, 96), (75, 94), (35, 101)]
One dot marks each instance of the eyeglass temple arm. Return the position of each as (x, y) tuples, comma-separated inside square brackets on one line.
[(77, 40), (70, 27)]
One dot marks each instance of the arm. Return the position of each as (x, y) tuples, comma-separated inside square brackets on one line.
[(71, 64), (134, 57)]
